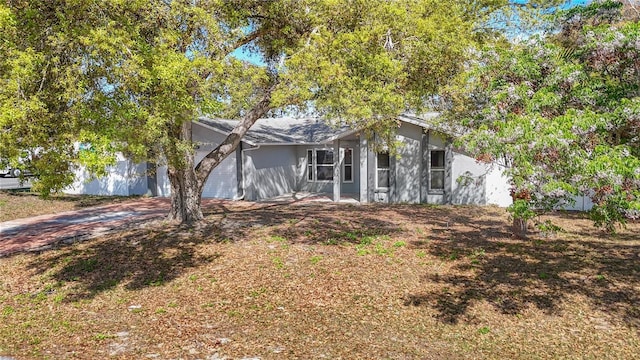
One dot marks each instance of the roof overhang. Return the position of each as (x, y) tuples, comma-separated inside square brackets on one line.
[(421, 120), (225, 133)]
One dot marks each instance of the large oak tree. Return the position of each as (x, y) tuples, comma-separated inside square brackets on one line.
[(130, 75)]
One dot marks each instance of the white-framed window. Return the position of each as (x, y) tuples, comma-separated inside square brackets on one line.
[(310, 176), (436, 170), (324, 164), (382, 170), (320, 165), (347, 166)]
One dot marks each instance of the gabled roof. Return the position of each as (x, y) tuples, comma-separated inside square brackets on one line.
[(300, 131), (426, 120), (430, 121), (281, 131)]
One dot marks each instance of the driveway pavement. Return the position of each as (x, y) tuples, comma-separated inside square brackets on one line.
[(13, 183), (41, 232)]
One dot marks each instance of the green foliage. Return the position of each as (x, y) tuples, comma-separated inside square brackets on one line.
[(129, 76), (561, 112), (7, 310), (377, 245), (367, 240), (548, 227), (101, 336), (278, 262), (276, 238), (315, 259), (521, 209)]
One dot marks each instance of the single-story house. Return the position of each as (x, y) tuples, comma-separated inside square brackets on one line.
[(287, 155)]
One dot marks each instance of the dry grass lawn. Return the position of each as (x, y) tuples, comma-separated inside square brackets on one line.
[(313, 281), (18, 205)]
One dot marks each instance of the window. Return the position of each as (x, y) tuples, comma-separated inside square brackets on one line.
[(347, 167), (320, 165), (324, 165), (382, 170), (310, 165), (436, 170)]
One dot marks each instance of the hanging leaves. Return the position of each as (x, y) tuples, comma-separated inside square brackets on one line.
[(563, 111)]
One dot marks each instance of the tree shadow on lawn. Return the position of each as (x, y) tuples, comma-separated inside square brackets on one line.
[(512, 274), (335, 224), (486, 263), (307, 222), (160, 253), (137, 259)]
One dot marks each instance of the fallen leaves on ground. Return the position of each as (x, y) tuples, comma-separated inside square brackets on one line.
[(335, 281)]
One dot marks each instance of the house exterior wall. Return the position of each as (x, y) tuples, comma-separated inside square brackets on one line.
[(273, 170), (123, 179), (469, 180), (433, 141), (270, 171), (581, 203), (498, 187), (303, 184), (163, 187), (223, 180), (352, 187), (138, 179), (407, 167), (466, 181), (406, 171)]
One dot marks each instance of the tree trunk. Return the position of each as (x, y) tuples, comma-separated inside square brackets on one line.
[(519, 228), (186, 191), (186, 196)]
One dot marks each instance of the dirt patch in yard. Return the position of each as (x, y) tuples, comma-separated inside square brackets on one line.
[(314, 280)]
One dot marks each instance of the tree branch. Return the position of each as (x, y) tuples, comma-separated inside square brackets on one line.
[(245, 40), (633, 6), (231, 142)]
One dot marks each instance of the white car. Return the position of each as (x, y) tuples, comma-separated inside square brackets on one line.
[(9, 171)]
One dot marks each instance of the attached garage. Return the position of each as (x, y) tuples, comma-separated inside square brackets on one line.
[(223, 180)]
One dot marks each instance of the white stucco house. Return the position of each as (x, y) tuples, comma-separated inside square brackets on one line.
[(286, 155)]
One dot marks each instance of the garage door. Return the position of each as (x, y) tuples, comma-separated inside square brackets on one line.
[(223, 180)]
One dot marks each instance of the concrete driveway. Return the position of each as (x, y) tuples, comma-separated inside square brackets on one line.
[(42, 232)]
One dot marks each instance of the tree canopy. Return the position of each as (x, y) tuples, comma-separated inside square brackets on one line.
[(130, 76), (561, 111)]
